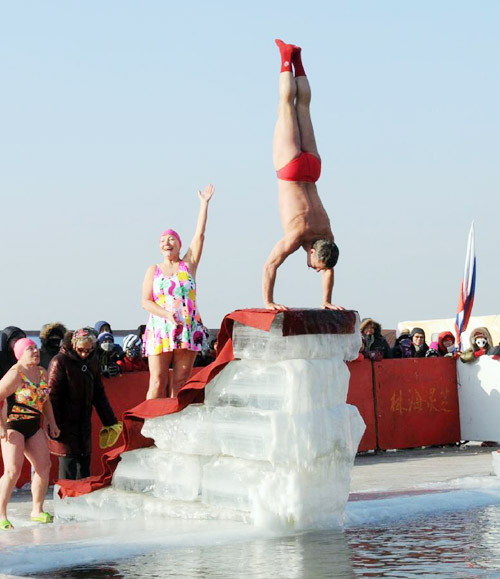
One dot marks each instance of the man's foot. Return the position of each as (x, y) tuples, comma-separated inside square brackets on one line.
[(286, 52), (297, 61)]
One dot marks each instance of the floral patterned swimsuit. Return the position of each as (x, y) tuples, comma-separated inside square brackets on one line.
[(176, 294), (24, 407)]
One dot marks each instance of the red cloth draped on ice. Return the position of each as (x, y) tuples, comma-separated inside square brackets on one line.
[(295, 322)]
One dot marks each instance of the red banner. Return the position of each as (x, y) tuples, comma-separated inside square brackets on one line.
[(417, 402)]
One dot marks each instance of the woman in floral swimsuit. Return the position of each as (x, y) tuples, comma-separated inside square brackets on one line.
[(174, 332), (25, 395)]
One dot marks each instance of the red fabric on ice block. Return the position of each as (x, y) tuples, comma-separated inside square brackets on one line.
[(295, 322)]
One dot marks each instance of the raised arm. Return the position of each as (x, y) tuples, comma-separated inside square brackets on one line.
[(194, 252), (327, 280), (279, 253)]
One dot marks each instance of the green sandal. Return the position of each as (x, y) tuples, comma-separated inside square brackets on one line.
[(6, 525), (43, 518)]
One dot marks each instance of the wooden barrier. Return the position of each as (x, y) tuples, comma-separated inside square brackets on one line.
[(417, 402), (360, 394)]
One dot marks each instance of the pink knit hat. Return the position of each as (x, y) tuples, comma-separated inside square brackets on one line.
[(21, 346)]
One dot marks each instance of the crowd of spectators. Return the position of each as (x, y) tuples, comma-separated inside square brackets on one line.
[(412, 344)]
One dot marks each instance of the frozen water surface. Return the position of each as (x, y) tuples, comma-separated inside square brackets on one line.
[(453, 533)]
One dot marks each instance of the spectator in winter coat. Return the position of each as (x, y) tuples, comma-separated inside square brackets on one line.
[(108, 355), (51, 337), (102, 327), (76, 388), (412, 346), (375, 346), (8, 337), (481, 343), (444, 347), (132, 360), (402, 346)]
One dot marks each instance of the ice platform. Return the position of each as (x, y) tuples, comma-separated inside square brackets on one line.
[(273, 444)]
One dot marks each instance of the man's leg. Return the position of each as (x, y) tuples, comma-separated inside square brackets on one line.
[(307, 139), (287, 138)]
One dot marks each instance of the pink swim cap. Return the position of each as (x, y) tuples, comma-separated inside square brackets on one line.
[(174, 233), (21, 345)]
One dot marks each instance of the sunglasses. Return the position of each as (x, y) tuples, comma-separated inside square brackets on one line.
[(84, 350)]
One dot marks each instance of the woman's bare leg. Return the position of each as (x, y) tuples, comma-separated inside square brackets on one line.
[(302, 106), (158, 375), (13, 458), (183, 366), (37, 452), (286, 142)]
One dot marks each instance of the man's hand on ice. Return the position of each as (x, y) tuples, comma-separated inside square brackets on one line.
[(329, 306), (276, 307)]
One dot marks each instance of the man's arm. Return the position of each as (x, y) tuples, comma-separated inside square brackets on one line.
[(327, 280), (280, 252)]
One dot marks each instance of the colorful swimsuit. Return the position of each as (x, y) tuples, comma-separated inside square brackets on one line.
[(24, 407), (176, 294)]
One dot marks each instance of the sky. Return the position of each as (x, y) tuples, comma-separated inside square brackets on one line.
[(116, 113)]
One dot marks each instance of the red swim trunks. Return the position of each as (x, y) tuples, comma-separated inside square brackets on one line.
[(306, 167)]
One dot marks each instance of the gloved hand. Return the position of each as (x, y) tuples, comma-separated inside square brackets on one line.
[(109, 435)]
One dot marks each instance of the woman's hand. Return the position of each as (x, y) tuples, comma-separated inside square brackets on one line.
[(3, 431), (53, 430), (170, 317), (207, 193)]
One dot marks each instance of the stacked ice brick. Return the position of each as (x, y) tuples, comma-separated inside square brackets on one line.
[(274, 441)]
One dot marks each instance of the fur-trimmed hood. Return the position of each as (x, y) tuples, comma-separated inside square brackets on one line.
[(53, 327), (482, 331), (366, 322)]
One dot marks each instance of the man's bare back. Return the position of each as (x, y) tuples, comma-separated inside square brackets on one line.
[(302, 214)]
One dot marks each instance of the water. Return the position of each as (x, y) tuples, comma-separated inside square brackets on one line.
[(464, 544)]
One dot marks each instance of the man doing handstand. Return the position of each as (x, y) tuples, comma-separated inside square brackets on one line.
[(298, 164)]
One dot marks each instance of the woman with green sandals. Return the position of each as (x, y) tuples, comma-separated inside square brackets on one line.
[(24, 393)]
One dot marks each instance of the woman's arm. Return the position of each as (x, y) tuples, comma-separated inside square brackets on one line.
[(8, 385), (147, 301), (193, 254), (3, 420), (9, 382)]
